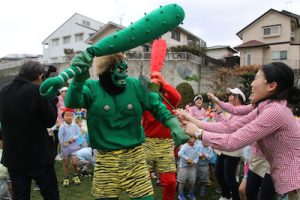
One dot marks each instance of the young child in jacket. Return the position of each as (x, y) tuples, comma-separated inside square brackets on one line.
[(205, 155), (189, 156), (69, 135)]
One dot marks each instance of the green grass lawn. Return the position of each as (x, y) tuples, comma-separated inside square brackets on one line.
[(82, 191)]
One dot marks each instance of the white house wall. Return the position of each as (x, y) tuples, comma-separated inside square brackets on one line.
[(263, 55), (255, 31), (70, 28)]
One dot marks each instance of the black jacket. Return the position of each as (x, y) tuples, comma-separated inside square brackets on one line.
[(25, 116)]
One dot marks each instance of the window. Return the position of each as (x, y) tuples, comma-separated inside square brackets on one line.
[(146, 48), (279, 55), (175, 35), (271, 31), (248, 57), (79, 37), (86, 23), (55, 42), (66, 39)]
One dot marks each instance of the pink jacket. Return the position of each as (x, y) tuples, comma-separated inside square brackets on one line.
[(60, 105), (278, 136)]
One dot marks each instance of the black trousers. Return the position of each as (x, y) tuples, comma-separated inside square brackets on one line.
[(56, 141), (255, 183), (44, 176), (225, 170)]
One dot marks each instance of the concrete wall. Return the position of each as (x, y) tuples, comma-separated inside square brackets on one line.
[(141, 67), (169, 71)]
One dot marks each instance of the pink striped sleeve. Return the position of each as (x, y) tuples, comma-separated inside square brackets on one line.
[(230, 125), (220, 117), (236, 110), (268, 121), (217, 127)]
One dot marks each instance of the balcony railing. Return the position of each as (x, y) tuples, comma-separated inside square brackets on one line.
[(133, 55), (169, 56)]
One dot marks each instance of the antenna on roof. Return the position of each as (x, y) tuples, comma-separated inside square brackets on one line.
[(121, 16), (287, 2)]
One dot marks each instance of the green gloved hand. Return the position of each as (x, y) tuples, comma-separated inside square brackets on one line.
[(177, 133), (84, 62), (85, 74)]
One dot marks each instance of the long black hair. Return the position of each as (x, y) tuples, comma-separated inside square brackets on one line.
[(283, 75)]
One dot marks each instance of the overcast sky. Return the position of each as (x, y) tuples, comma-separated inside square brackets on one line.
[(25, 24)]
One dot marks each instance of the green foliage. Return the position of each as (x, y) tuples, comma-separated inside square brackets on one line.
[(192, 48), (187, 94), (246, 81), (244, 74), (194, 77), (68, 51)]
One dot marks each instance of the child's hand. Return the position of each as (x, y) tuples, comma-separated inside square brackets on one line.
[(71, 140), (189, 161), (202, 156)]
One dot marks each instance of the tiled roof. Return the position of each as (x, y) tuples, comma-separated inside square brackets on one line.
[(251, 43)]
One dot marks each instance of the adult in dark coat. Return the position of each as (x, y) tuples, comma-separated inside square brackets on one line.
[(27, 150)]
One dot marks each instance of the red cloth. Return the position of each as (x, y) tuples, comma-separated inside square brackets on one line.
[(154, 128), (168, 182)]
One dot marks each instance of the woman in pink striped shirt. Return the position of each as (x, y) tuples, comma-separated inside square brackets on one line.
[(275, 129), (259, 184), (197, 110)]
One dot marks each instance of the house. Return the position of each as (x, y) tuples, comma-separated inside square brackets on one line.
[(223, 54), (220, 52), (274, 36), (69, 38)]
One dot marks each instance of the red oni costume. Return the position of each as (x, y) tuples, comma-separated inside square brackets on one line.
[(159, 148)]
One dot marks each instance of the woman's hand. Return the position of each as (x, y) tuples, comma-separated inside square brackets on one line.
[(189, 128), (212, 97), (182, 115)]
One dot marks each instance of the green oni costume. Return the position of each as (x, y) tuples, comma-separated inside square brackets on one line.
[(115, 104)]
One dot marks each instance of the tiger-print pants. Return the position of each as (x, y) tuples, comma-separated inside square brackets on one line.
[(121, 170)]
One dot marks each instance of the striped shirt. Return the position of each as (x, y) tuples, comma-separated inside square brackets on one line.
[(278, 136), (197, 112)]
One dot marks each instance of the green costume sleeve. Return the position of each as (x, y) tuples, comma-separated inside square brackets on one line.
[(177, 133), (79, 95), (160, 112)]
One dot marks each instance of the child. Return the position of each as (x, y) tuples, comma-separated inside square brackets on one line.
[(81, 122), (69, 136), (189, 156), (205, 154), (86, 159)]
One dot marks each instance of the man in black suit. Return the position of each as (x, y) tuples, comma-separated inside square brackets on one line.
[(25, 116)]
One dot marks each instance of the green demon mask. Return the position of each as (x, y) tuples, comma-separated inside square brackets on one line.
[(119, 73)]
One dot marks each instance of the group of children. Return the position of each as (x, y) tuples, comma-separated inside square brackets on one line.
[(194, 160)]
